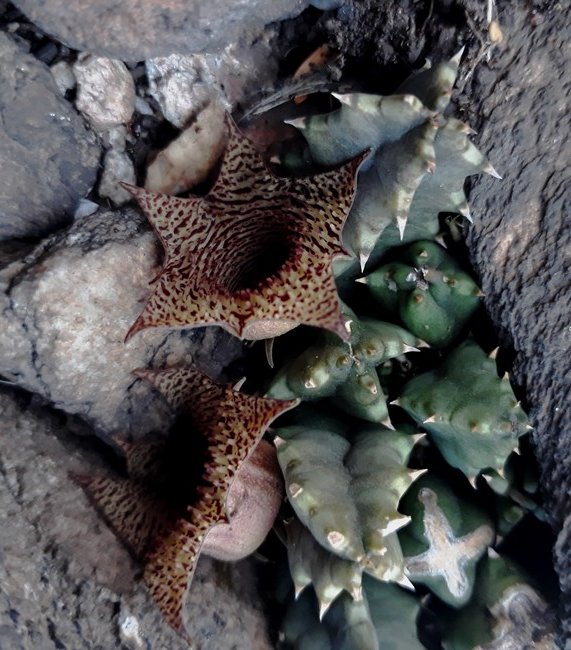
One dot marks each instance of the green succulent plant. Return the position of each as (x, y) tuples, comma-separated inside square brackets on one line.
[(346, 371), (346, 490), (470, 413), (427, 290), (418, 159), (384, 618)]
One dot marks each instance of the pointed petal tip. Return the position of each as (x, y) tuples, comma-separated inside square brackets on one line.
[(403, 581), (299, 122), (363, 257), (133, 190), (430, 419), (387, 423), (494, 353), (401, 225), (344, 98), (323, 608), (458, 56), (238, 385), (137, 326), (395, 402), (83, 480), (410, 348), (362, 280), (489, 169)]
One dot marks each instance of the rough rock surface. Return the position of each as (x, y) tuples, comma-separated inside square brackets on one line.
[(521, 240), (147, 28), (106, 91), (47, 156), (66, 581), (64, 314)]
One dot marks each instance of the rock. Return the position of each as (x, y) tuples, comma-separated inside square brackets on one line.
[(65, 579), (181, 85), (106, 91), (520, 242), (188, 159), (117, 167), (48, 158), (140, 29), (63, 76), (64, 314)]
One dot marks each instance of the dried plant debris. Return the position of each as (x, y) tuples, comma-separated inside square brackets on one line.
[(445, 539), (506, 612)]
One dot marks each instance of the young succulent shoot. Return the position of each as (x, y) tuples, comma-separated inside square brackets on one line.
[(444, 541), (255, 254), (427, 290), (162, 518), (346, 371), (471, 415)]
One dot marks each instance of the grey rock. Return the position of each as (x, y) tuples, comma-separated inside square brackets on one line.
[(117, 167), (47, 156), (521, 240), (181, 85), (106, 91), (64, 314), (67, 582), (63, 76), (140, 29)]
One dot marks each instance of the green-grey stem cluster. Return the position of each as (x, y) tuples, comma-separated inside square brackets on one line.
[(364, 529)]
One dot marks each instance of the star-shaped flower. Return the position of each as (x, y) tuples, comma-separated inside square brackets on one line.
[(254, 255), (158, 512), (450, 558)]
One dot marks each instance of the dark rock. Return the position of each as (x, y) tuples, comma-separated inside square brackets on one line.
[(136, 30), (48, 158), (64, 314), (521, 240)]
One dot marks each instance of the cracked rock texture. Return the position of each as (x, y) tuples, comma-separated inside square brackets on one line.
[(65, 580), (147, 28), (48, 158), (521, 240), (64, 313)]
